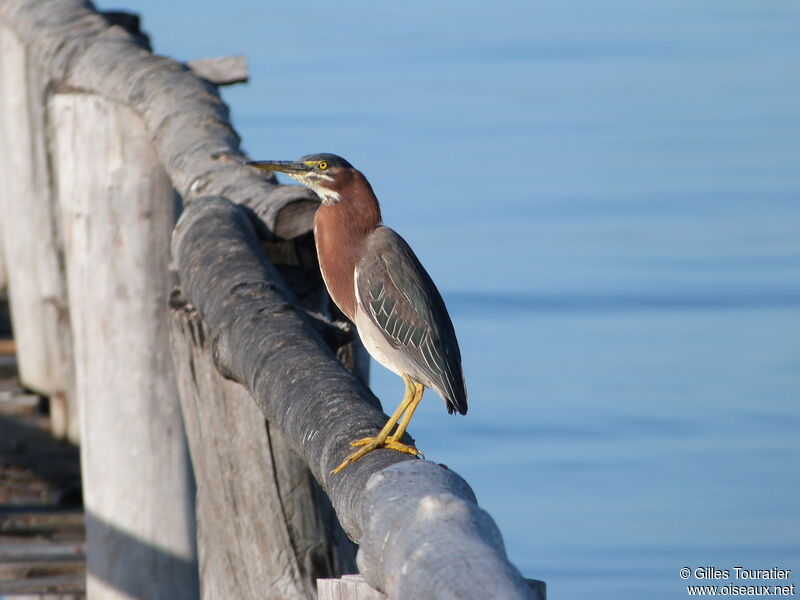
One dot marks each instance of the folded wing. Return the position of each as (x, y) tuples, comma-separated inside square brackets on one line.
[(398, 295)]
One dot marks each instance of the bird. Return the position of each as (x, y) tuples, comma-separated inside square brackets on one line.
[(377, 281)]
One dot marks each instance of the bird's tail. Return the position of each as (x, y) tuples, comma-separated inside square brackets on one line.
[(454, 391)]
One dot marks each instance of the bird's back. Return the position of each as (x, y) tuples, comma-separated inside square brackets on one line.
[(398, 296)]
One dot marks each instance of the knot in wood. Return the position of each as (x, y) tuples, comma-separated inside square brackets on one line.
[(442, 506)]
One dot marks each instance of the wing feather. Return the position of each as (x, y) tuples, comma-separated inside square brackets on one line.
[(398, 295)]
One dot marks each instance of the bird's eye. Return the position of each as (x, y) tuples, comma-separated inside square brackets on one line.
[(322, 165)]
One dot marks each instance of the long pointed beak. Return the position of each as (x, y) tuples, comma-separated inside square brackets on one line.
[(284, 166)]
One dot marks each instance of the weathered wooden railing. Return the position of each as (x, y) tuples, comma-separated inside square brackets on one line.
[(104, 145)]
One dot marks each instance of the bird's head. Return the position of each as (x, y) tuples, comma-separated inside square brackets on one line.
[(328, 175)]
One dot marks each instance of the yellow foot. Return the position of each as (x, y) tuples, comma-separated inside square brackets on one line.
[(390, 443), (370, 444)]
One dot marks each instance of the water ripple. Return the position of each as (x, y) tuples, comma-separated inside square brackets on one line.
[(467, 302)]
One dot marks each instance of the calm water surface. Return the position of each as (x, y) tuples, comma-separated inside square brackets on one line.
[(608, 195)]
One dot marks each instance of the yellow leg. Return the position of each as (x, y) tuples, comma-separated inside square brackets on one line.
[(409, 404), (419, 389)]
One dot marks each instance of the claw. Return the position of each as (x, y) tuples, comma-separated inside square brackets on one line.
[(400, 447)]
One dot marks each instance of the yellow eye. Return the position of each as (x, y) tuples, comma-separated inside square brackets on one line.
[(322, 165)]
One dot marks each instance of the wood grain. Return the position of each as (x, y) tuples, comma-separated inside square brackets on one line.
[(221, 70)]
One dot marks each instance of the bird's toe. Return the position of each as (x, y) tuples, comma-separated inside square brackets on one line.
[(373, 443)]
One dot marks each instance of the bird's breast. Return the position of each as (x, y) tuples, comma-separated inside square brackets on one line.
[(341, 231), (337, 253)]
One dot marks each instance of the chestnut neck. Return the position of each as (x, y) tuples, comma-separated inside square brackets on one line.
[(341, 230)]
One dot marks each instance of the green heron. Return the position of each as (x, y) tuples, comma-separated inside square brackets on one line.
[(375, 278)]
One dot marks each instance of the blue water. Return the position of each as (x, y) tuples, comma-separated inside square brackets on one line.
[(608, 195)]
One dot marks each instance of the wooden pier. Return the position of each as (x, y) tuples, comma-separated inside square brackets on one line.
[(41, 516), (168, 303)]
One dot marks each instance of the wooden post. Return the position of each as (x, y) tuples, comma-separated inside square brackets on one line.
[(348, 587), (264, 524), (118, 208), (32, 237), (3, 276), (354, 587), (264, 527), (23, 223)]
